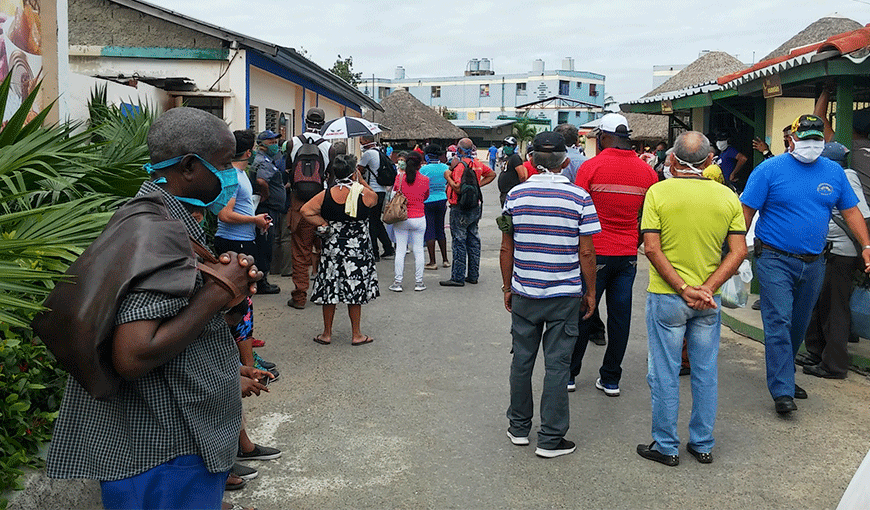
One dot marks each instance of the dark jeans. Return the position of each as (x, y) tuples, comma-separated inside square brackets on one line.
[(377, 232), (831, 320), (616, 276), (466, 243)]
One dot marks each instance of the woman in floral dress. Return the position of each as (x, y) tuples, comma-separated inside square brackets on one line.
[(346, 273)]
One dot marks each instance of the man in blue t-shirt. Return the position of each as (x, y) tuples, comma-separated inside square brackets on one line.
[(794, 194), (493, 150)]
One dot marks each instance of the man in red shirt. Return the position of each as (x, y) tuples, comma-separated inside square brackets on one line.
[(463, 223), (617, 180)]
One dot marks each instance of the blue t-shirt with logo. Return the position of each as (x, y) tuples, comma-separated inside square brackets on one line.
[(794, 201)]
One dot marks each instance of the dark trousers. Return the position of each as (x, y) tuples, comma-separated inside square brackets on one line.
[(831, 320), (222, 245), (264, 241), (616, 276), (551, 323), (377, 232)]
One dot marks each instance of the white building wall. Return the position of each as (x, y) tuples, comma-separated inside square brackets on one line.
[(80, 87)]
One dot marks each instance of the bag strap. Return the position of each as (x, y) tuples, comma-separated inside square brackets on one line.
[(208, 271), (842, 224)]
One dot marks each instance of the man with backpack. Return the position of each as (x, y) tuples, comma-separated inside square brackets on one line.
[(309, 154), (380, 172), (464, 180)]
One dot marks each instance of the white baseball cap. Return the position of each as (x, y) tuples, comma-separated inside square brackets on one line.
[(616, 124)]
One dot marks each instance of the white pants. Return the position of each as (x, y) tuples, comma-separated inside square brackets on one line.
[(410, 230)]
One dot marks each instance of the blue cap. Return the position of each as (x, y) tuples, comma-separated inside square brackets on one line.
[(835, 151), (267, 135)]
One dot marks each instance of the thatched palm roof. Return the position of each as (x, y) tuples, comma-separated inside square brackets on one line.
[(409, 119), (652, 128), (818, 31), (707, 68)]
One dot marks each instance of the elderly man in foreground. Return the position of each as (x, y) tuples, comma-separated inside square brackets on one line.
[(685, 221), (546, 255)]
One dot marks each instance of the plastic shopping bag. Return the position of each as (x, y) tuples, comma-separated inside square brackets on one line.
[(735, 292)]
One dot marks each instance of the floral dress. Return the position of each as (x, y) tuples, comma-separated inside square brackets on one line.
[(346, 273)]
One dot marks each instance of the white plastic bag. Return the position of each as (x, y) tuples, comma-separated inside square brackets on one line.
[(735, 291)]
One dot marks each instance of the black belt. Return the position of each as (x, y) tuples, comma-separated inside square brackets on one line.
[(804, 258)]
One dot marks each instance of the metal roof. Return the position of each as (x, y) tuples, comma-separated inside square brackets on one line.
[(286, 57), (481, 123)]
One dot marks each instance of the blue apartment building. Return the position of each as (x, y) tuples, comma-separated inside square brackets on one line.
[(480, 95)]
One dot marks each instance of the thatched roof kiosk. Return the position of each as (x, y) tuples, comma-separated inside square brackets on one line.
[(410, 120)]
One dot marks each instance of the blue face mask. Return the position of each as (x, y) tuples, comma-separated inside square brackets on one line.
[(228, 178)]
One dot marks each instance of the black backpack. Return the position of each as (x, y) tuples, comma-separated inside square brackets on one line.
[(387, 172), (469, 188), (309, 169)]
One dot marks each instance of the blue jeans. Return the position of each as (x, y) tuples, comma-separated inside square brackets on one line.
[(668, 321), (789, 290), (616, 276), (182, 483), (466, 243)]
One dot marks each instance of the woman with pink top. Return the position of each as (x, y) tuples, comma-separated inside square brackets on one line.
[(415, 187)]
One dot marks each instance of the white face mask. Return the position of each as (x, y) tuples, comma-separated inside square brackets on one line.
[(666, 171), (722, 145), (807, 151)]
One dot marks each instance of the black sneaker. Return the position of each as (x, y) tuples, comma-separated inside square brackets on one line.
[(597, 338), (647, 452), (259, 453), (268, 288), (471, 281), (451, 283), (244, 472), (563, 448)]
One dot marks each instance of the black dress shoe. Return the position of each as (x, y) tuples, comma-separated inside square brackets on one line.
[(268, 288), (799, 392), (703, 458), (471, 281), (756, 305), (806, 358), (685, 371), (820, 371), (647, 452), (451, 283), (784, 404)]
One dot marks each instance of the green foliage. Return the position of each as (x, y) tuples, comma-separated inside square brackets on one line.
[(59, 185), (524, 131), (343, 68)]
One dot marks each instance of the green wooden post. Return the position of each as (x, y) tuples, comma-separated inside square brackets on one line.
[(845, 104), (760, 127), (760, 115)]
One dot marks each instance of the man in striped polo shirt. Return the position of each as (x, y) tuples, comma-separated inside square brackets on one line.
[(546, 255)]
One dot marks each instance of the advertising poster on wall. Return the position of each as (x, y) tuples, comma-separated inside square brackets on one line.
[(21, 51)]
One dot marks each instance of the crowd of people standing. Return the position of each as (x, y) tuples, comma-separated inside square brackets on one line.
[(571, 230)]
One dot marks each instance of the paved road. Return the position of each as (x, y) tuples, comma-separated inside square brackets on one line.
[(416, 419)]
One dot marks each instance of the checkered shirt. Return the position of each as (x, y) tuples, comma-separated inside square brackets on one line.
[(189, 406)]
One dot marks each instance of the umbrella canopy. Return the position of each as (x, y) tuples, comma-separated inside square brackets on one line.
[(348, 127)]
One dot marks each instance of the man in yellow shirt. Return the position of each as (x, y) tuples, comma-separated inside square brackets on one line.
[(685, 221)]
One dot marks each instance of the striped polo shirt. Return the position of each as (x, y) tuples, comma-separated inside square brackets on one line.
[(549, 215)]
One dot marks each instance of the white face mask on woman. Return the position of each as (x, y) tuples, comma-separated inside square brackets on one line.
[(807, 151), (722, 145)]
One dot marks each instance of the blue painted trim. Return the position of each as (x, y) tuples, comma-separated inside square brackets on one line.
[(165, 53), (271, 67), (248, 90), (302, 113)]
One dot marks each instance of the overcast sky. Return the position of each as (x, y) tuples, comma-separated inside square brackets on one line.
[(621, 39)]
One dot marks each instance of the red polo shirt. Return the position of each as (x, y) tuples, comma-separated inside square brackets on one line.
[(617, 180)]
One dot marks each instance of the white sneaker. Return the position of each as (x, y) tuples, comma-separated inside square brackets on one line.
[(611, 390), (419, 286), (519, 441), (396, 287)]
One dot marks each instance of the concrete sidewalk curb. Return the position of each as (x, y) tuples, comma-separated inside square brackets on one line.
[(860, 364)]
